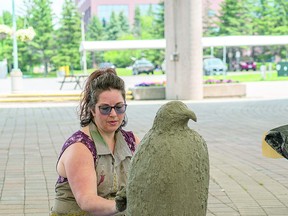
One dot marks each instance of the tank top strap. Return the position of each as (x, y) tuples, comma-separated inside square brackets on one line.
[(130, 139)]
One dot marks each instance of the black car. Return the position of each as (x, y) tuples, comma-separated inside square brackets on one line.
[(142, 66)]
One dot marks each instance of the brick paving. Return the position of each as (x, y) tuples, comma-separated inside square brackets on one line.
[(242, 181)]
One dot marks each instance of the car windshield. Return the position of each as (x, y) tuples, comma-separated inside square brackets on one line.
[(106, 65), (246, 59), (213, 61), (143, 62)]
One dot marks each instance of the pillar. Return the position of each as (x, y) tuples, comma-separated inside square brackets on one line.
[(16, 74), (184, 52)]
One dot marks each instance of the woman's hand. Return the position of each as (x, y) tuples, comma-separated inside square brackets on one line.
[(121, 200)]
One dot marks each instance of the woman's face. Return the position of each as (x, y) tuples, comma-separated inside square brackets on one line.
[(108, 122)]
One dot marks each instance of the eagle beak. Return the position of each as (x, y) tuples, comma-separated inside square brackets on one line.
[(192, 116)]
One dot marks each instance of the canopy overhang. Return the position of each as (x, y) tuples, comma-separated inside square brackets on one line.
[(237, 41), (221, 41), (122, 45)]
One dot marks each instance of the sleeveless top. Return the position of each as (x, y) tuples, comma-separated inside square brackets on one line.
[(111, 170)]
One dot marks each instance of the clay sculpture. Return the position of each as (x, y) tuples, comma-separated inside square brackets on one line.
[(169, 173)]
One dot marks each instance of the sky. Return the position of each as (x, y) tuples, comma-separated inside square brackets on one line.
[(6, 5)]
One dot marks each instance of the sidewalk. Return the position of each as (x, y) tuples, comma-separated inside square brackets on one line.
[(242, 181), (255, 90)]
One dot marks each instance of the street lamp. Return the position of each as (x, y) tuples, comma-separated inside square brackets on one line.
[(16, 74)]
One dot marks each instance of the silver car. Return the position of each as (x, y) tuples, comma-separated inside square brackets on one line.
[(214, 66), (142, 66)]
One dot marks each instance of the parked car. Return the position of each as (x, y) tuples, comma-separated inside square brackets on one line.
[(142, 66), (106, 65), (214, 66), (247, 64)]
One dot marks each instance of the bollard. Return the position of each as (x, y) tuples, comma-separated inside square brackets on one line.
[(16, 81), (263, 71)]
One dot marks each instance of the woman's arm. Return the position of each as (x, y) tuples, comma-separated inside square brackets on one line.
[(137, 140), (78, 165)]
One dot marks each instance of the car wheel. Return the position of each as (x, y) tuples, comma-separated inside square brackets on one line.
[(152, 72)]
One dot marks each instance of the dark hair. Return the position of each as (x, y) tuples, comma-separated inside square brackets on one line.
[(99, 81)]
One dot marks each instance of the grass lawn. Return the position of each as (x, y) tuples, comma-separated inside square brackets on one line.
[(235, 76), (250, 77)]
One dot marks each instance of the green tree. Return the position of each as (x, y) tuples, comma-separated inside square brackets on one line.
[(27, 55), (158, 55), (137, 23), (124, 23), (7, 18), (6, 42), (148, 25), (159, 15), (233, 18), (95, 33), (113, 28), (122, 58), (39, 15), (282, 17), (271, 19), (69, 37), (255, 17)]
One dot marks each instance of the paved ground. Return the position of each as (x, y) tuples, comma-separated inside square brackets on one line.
[(255, 90), (242, 182)]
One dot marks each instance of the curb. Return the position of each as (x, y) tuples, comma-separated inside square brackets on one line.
[(46, 97)]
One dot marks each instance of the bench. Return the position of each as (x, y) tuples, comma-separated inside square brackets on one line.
[(77, 79)]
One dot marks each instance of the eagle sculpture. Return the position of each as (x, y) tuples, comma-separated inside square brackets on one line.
[(169, 173)]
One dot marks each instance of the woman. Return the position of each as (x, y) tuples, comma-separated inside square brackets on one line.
[(93, 163)]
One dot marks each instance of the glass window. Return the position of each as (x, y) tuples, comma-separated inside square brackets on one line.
[(104, 11), (211, 13), (144, 8)]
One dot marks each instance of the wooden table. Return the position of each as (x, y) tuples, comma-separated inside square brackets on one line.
[(77, 79)]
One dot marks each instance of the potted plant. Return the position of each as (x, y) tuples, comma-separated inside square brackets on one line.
[(223, 88), (5, 31), (149, 91)]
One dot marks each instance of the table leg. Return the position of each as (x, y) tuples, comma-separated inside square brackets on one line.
[(62, 83), (77, 80)]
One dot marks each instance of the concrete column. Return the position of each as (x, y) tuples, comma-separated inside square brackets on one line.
[(16, 81), (183, 33), (16, 74)]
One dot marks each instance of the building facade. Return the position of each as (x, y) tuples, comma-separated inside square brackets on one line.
[(104, 8)]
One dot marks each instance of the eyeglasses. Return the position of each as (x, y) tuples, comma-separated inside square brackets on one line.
[(106, 109)]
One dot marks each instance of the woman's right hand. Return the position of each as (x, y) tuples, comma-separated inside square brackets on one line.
[(121, 199)]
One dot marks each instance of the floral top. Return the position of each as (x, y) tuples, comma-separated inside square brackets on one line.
[(111, 169), (79, 136)]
